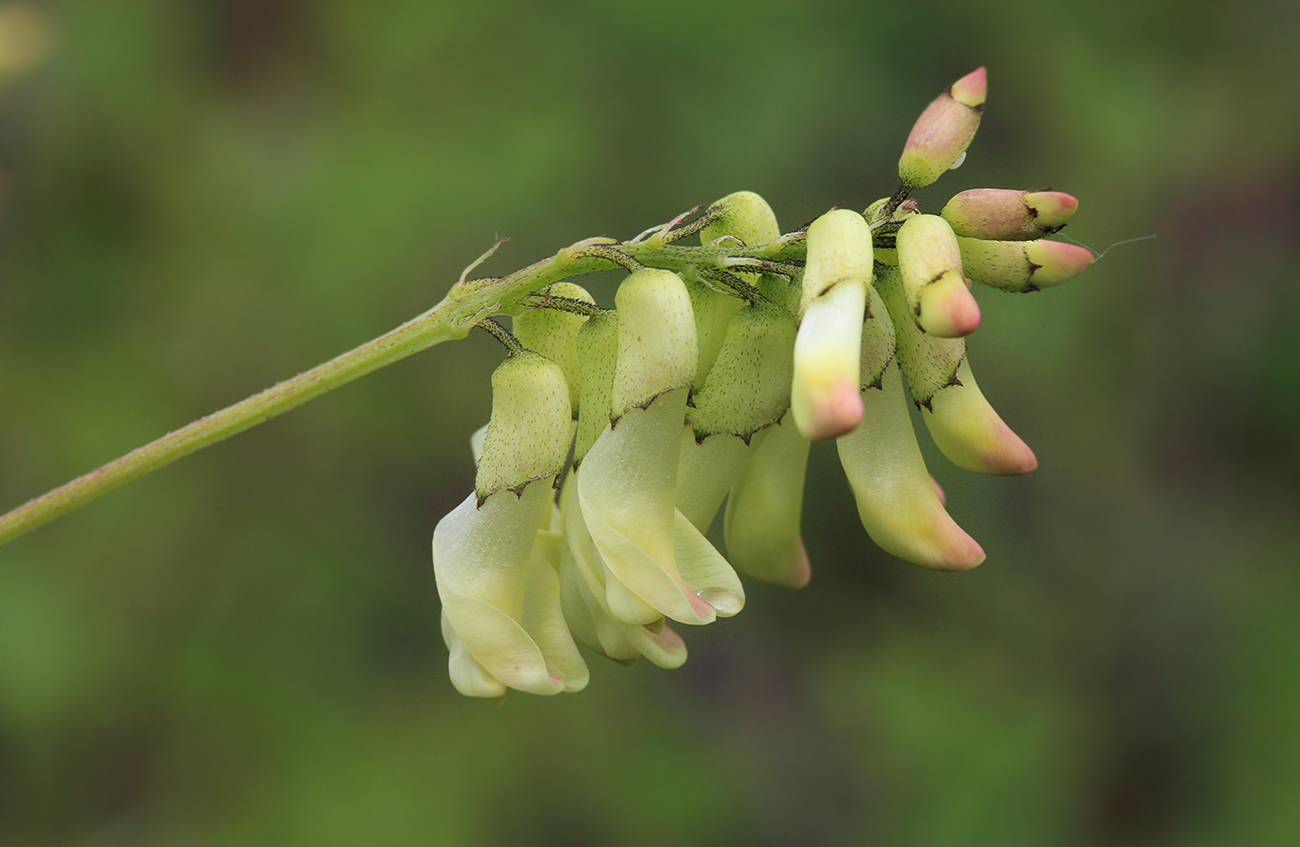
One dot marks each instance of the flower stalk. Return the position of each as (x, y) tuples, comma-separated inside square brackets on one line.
[(467, 304)]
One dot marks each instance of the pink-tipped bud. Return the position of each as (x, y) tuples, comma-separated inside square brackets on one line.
[(827, 349), (936, 292), (1055, 262), (1022, 266), (1004, 215), (943, 132), (948, 310)]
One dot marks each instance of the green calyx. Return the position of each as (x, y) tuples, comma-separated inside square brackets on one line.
[(748, 387), (598, 355), (529, 431), (552, 330), (657, 342), (929, 363)]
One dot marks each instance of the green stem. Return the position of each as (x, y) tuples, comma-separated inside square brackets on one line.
[(468, 303)]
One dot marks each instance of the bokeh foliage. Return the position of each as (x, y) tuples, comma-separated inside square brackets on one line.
[(199, 198)]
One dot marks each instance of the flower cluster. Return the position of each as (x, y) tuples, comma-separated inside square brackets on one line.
[(655, 413)]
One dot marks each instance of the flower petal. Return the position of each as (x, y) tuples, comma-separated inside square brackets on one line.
[(704, 569), (480, 557), (584, 576), (896, 499), (626, 487), (543, 619), (467, 675), (971, 434), (762, 520), (707, 470)]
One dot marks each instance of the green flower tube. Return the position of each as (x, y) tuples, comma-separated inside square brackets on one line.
[(764, 510), (897, 501)]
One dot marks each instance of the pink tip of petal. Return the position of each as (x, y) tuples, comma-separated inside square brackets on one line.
[(939, 544), (802, 572), (948, 309), (667, 638), (1073, 256), (1057, 261), (1056, 204), (971, 89), (938, 490), (963, 555), (1013, 455), (965, 315), (835, 412), (701, 607)]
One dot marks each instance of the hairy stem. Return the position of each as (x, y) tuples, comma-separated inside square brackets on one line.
[(468, 303)]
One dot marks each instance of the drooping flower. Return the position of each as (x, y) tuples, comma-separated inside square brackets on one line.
[(745, 392), (627, 480), (584, 580), (764, 509), (502, 617)]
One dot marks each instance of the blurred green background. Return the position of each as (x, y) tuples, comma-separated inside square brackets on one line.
[(200, 198)]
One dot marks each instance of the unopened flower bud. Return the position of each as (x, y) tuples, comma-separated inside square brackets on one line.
[(1022, 266), (743, 215), (941, 135), (529, 432), (824, 395), (933, 284), (998, 214)]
